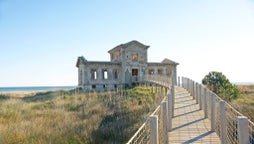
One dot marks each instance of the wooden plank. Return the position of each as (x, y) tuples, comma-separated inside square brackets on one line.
[(189, 124)]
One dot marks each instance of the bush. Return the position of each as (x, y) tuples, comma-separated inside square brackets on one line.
[(218, 83)]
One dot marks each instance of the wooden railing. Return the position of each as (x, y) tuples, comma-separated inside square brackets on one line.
[(229, 124)]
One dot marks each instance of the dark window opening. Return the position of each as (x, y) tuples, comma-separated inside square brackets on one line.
[(115, 74), (168, 72), (159, 71), (151, 71), (93, 86), (134, 72), (134, 57)]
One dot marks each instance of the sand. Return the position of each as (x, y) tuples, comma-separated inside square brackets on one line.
[(20, 94)]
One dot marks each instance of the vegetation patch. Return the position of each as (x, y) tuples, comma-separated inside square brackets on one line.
[(66, 117), (245, 103), (218, 83)]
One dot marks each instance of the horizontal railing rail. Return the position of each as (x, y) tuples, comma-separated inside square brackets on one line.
[(229, 124), (154, 129)]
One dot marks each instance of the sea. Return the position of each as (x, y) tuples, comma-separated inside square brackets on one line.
[(35, 88)]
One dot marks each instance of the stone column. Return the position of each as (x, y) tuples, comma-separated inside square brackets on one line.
[(110, 74), (164, 71), (155, 71), (99, 74)]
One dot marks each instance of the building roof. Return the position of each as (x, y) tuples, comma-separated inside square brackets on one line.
[(168, 61), (81, 59), (134, 42)]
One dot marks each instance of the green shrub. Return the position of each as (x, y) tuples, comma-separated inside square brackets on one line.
[(218, 83)]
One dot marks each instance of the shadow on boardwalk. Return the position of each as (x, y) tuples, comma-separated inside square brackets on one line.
[(189, 124)]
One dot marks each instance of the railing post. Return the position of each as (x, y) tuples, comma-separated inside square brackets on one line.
[(170, 111), (223, 125), (179, 81), (154, 138), (184, 83), (197, 97), (173, 99), (200, 97), (187, 84), (205, 103), (193, 89), (242, 130), (212, 104), (173, 92), (165, 121)]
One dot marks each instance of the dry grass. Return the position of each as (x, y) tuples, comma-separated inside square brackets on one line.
[(19, 94), (62, 117), (245, 103)]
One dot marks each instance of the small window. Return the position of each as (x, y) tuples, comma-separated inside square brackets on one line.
[(168, 72), (104, 86), (115, 73), (93, 86), (159, 71), (151, 71), (134, 57), (115, 86), (104, 74), (93, 74)]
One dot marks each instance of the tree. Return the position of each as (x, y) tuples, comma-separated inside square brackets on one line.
[(218, 83)]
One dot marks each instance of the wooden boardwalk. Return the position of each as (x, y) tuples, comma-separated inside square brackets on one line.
[(189, 124)]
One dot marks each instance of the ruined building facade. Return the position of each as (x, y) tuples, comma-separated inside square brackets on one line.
[(128, 64)]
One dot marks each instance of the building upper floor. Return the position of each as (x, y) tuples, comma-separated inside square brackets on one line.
[(131, 52)]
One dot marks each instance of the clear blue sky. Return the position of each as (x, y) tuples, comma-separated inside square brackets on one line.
[(40, 40)]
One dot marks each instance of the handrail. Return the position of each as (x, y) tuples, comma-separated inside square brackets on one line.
[(137, 132), (227, 113), (225, 117), (251, 132), (137, 137)]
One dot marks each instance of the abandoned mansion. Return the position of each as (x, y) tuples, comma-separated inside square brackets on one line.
[(128, 64)]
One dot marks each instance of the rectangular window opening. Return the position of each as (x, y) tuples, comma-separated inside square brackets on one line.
[(115, 74), (168, 72), (159, 71), (135, 57), (105, 74), (151, 71), (93, 74)]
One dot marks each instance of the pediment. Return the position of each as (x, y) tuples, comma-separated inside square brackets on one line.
[(132, 44)]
